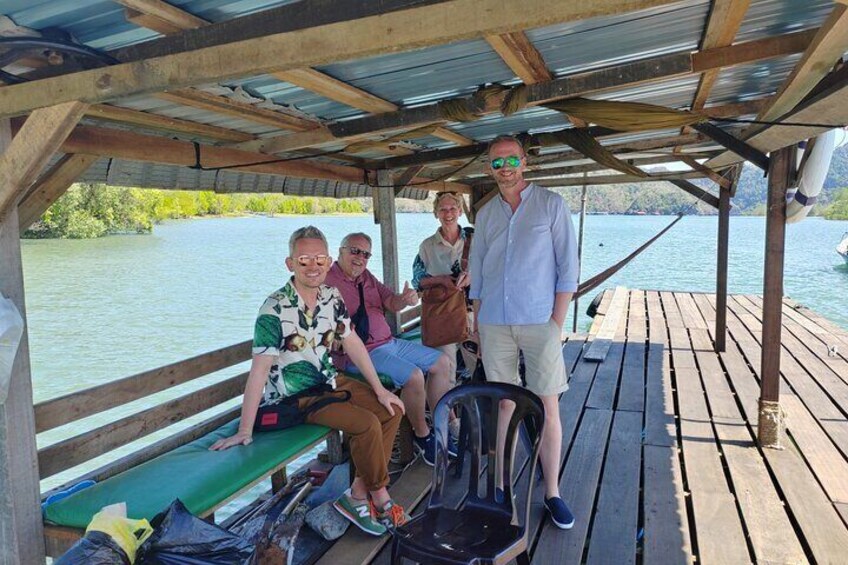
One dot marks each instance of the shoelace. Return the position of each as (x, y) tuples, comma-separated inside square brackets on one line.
[(396, 515)]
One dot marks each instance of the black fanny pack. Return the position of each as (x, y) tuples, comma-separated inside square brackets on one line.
[(285, 414)]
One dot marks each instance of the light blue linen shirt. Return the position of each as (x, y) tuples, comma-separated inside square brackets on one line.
[(519, 261)]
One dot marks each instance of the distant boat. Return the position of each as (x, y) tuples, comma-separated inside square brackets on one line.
[(842, 248)]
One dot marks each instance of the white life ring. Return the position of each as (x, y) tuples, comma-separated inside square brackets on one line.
[(800, 200)]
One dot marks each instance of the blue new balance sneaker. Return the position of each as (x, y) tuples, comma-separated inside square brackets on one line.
[(561, 516)]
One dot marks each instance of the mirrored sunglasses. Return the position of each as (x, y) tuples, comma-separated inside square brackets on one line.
[(306, 260), (513, 161), (357, 251)]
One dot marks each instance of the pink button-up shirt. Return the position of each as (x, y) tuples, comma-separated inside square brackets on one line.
[(375, 293)]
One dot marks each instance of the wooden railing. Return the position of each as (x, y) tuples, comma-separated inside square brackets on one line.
[(95, 442)]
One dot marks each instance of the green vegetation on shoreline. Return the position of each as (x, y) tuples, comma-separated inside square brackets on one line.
[(838, 209), (95, 210)]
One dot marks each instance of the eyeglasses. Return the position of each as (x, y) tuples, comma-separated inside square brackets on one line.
[(357, 251), (513, 161), (306, 260)]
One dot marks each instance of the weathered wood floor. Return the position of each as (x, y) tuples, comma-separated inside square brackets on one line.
[(660, 463)]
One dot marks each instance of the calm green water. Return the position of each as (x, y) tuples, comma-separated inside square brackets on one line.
[(108, 308)]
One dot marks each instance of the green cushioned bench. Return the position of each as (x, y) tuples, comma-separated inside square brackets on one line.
[(204, 480)]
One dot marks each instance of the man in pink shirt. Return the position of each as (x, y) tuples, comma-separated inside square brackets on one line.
[(405, 362)]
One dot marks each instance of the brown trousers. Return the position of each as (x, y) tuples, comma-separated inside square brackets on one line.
[(367, 423)]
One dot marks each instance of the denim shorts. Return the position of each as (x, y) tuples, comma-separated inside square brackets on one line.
[(399, 358)]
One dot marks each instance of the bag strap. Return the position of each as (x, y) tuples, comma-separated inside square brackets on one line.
[(466, 249), (326, 402)]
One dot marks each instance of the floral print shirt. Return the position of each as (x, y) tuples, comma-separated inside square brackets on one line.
[(300, 340)]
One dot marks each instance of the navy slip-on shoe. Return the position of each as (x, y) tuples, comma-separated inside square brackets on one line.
[(561, 516)]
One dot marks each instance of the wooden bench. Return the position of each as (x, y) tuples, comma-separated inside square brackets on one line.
[(151, 417)]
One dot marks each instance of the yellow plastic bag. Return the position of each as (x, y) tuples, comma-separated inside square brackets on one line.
[(127, 533)]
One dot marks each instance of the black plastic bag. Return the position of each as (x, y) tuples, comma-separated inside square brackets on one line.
[(181, 538), (96, 548)]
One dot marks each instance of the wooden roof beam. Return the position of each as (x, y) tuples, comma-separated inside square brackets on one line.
[(725, 18), (615, 179), (825, 107), (228, 107), (164, 12), (30, 150), (521, 56), (109, 142), (167, 19), (412, 28), (52, 184), (617, 76), (159, 122), (828, 46)]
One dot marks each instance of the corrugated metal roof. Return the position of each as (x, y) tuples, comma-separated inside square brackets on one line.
[(766, 18), (429, 75)]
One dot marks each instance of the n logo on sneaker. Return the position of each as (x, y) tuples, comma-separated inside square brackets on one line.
[(364, 512)]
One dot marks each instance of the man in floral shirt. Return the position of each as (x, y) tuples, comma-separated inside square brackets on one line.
[(293, 335)]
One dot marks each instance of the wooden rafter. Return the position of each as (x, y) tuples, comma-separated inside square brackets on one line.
[(828, 46), (165, 12), (521, 56), (618, 76), (164, 123), (30, 150), (725, 18), (706, 171), (334, 89), (222, 105), (827, 107), (542, 180), (51, 186), (109, 142), (150, 22), (167, 19), (387, 33)]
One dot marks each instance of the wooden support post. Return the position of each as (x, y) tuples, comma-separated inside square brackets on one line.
[(781, 173), (21, 528), (384, 205), (721, 269), (580, 246)]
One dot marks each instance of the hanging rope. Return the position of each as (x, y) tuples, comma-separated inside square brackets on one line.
[(593, 283)]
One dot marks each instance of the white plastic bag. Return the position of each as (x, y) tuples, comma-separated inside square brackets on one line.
[(11, 330)]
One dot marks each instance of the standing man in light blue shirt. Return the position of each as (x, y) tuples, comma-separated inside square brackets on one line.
[(523, 275)]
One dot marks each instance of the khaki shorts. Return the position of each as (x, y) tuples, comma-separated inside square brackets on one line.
[(542, 347)]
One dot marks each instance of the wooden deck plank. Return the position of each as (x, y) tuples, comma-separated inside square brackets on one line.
[(615, 525), (803, 360), (742, 377), (660, 421), (843, 512), (671, 311), (631, 394), (817, 448), (667, 538), (598, 320), (355, 546), (719, 532), (829, 465), (721, 398), (578, 485), (771, 533), (689, 312), (605, 384), (609, 327), (806, 500), (819, 344)]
